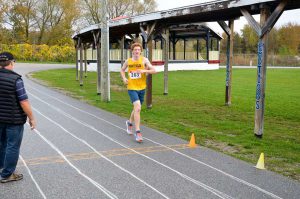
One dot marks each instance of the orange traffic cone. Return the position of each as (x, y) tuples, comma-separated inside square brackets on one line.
[(192, 143), (261, 162)]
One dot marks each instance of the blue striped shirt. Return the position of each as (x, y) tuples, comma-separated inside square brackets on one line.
[(20, 89)]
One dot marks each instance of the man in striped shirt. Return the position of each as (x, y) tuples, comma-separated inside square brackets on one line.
[(14, 110)]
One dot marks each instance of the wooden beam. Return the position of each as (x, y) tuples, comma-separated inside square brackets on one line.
[(261, 76), (225, 27), (251, 21), (274, 17), (151, 28)]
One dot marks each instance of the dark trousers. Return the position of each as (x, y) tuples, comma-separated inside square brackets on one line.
[(10, 143)]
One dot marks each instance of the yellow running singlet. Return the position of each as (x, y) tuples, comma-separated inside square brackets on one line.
[(136, 81)]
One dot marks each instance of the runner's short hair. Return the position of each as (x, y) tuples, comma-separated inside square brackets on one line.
[(135, 45)]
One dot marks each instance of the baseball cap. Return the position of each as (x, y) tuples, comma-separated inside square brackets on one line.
[(6, 56)]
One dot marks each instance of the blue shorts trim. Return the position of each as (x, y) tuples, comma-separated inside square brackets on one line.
[(136, 95)]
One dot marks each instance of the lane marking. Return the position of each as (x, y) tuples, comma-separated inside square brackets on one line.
[(96, 184), (187, 156), (102, 156), (206, 187), (92, 155), (34, 181)]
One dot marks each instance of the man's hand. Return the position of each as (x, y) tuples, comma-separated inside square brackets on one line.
[(27, 109), (140, 71), (125, 81), (32, 123)]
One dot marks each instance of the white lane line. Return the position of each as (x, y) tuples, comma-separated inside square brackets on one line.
[(100, 187), (29, 172), (101, 155), (178, 152), (208, 188)]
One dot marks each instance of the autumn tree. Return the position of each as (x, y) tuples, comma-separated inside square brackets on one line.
[(54, 18), (289, 39)]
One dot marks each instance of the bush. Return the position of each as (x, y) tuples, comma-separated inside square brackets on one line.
[(40, 53)]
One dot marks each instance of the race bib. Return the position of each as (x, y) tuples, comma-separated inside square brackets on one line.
[(135, 75)]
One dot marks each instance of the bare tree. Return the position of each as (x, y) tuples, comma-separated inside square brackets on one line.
[(92, 14)]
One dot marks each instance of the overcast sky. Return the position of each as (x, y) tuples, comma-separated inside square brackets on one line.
[(286, 17)]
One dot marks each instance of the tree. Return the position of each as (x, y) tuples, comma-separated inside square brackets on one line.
[(92, 9), (249, 40), (54, 18), (2, 10), (289, 39), (237, 43), (21, 17)]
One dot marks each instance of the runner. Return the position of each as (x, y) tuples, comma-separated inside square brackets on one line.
[(138, 66)]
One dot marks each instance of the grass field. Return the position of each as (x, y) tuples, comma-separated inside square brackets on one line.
[(195, 104)]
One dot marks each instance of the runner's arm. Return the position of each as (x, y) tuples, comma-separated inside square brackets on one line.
[(149, 68), (122, 72)]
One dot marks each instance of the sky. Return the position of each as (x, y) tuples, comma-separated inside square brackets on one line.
[(292, 16)]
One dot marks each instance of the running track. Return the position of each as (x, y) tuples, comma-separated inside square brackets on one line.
[(79, 151)]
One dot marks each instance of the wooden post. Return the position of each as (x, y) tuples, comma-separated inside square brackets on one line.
[(81, 65), (77, 47), (85, 60), (207, 45), (105, 80), (184, 48), (149, 76), (197, 49), (166, 37), (174, 47), (229, 63), (98, 68), (261, 76), (147, 36), (122, 50), (96, 36), (262, 30)]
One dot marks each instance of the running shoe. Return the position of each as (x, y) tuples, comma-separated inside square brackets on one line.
[(129, 127), (138, 136)]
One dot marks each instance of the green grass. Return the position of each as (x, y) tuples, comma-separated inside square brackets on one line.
[(195, 104)]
